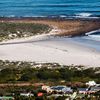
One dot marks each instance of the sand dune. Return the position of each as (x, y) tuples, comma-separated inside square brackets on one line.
[(71, 27)]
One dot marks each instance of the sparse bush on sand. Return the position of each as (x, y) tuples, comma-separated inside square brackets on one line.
[(11, 30)]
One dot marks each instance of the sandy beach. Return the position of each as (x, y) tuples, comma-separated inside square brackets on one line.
[(49, 48), (44, 48)]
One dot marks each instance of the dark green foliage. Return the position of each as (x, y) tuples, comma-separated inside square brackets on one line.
[(66, 74), (25, 72), (61, 98), (48, 74), (28, 74), (8, 75)]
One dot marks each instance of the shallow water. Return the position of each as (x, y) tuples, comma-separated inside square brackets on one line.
[(88, 41)]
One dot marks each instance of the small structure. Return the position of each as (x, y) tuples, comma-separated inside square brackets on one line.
[(93, 89), (40, 94), (47, 88), (58, 88), (67, 90), (26, 94), (91, 83), (6, 98), (82, 90)]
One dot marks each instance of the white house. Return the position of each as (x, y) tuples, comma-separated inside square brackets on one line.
[(91, 83), (26, 94)]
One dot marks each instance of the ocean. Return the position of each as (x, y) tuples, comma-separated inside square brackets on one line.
[(89, 9), (50, 8)]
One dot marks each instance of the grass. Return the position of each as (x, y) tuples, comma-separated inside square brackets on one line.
[(11, 30)]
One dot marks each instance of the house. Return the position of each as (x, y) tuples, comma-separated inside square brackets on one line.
[(58, 88), (6, 98), (26, 94), (82, 90), (94, 89), (91, 83), (67, 90), (44, 87), (47, 88)]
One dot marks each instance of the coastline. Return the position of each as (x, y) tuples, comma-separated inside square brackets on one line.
[(60, 50), (67, 27), (49, 49), (53, 49)]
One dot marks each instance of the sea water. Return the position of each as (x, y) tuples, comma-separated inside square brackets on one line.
[(50, 8)]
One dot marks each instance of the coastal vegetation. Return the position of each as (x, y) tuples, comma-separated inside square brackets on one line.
[(28, 77), (12, 30), (45, 72)]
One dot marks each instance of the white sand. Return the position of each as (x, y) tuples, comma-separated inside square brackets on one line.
[(45, 48)]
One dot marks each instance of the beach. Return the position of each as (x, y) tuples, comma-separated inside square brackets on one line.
[(55, 46)]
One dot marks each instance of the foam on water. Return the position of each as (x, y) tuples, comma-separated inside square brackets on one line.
[(84, 14), (93, 32), (93, 35)]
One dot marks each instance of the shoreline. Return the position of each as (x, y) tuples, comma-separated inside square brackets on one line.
[(50, 50), (44, 48), (48, 18), (68, 27)]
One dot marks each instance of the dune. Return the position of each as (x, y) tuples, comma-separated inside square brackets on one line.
[(69, 27)]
